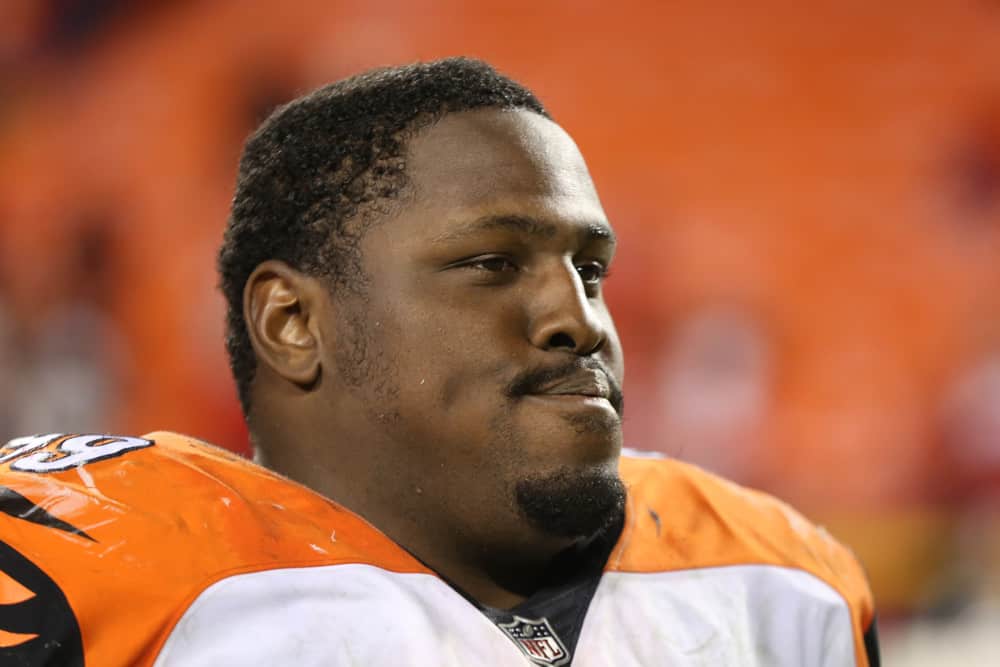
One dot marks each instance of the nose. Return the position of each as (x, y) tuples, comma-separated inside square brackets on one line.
[(564, 317)]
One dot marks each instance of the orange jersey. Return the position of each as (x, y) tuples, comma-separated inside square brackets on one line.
[(167, 551)]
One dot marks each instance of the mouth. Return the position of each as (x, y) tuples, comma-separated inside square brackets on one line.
[(583, 385), (586, 390), (573, 402)]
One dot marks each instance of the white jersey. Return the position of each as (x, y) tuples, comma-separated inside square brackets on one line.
[(164, 551)]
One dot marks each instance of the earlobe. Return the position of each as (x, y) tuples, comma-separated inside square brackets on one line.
[(279, 307)]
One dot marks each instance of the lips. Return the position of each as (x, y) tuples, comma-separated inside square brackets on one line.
[(589, 383), (578, 383)]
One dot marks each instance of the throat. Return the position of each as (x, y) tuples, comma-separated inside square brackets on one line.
[(546, 625), (502, 581)]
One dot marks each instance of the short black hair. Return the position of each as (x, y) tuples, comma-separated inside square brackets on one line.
[(321, 168)]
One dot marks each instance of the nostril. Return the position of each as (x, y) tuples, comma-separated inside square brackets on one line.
[(562, 340)]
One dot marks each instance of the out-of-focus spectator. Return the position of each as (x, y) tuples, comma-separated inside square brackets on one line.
[(971, 434), (715, 387), (969, 639), (66, 367), (9, 373)]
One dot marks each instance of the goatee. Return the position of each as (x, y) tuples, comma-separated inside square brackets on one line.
[(571, 503)]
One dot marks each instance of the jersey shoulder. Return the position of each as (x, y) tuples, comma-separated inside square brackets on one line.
[(165, 493), (683, 517), (106, 541)]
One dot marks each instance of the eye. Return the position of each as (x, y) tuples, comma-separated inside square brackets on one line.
[(592, 273), (493, 264)]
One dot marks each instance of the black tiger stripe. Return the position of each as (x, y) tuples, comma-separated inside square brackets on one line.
[(46, 614), (19, 507)]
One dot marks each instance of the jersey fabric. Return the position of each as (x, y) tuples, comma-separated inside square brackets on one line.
[(165, 551)]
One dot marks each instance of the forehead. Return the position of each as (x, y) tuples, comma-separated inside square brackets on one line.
[(488, 162)]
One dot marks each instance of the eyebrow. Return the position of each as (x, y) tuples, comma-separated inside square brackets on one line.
[(539, 229)]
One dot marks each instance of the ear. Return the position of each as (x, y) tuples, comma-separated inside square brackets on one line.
[(281, 307)]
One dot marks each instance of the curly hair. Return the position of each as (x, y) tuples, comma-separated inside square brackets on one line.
[(321, 169)]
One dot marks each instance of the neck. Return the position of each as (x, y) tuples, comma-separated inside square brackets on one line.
[(505, 582), (484, 548), (495, 567), (499, 575)]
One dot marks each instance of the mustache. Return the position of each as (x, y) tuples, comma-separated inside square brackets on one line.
[(534, 380)]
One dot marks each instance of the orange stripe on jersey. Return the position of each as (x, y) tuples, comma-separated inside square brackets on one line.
[(11, 639), (11, 592), (681, 517)]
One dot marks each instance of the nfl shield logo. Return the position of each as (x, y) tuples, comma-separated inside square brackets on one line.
[(537, 640)]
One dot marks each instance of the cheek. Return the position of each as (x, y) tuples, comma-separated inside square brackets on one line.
[(618, 360), (460, 359), (613, 355)]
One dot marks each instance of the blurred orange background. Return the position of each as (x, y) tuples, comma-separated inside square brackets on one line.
[(808, 195)]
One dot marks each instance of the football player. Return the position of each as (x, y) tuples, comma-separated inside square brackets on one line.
[(414, 270)]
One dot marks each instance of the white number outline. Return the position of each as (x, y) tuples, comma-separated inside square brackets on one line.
[(74, 451)]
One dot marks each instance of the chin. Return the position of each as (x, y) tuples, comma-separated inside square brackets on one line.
[(590, 443), (572, 502)]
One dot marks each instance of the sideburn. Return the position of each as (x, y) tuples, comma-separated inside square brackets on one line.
[(363, 362)]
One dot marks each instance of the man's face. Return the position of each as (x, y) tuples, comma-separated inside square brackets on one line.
[(481, 345)]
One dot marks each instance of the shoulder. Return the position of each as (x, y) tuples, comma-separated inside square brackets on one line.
[(166, 496), (682, 501), (113, 538), (681, 517)]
